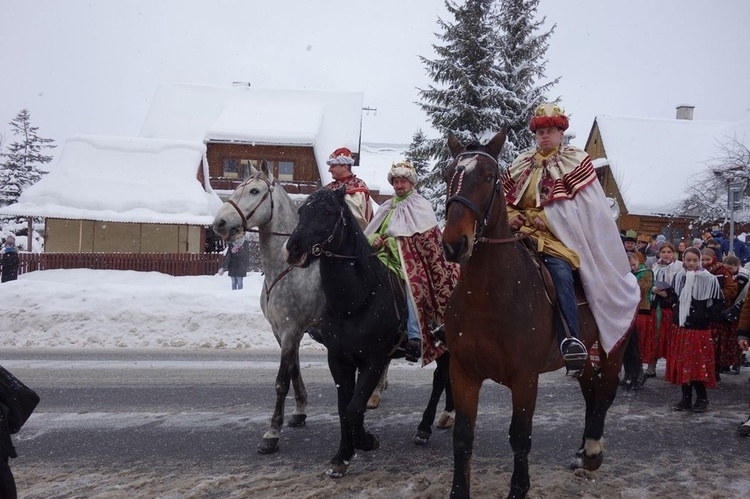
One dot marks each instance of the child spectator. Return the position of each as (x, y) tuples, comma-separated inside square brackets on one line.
[(725, 342), (690, 363), (665, 268), (644, 321)]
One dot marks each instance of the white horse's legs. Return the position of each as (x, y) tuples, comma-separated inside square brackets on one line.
[(289, 370), (374, 401)]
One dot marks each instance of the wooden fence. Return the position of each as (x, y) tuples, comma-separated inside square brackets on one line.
[(176, 264)]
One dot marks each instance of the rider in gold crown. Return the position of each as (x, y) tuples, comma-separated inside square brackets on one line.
[(554, 196)]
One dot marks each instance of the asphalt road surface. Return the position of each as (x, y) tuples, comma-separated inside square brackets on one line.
[(185, 423)]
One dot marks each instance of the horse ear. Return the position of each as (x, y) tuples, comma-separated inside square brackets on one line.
[(264, 169), (455, 146), (495, 145)]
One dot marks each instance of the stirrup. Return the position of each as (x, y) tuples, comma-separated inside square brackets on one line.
[(574, 354)]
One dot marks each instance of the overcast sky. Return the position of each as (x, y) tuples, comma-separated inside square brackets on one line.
[(91, 67)]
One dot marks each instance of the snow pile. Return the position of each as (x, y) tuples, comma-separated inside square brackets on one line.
[(110, 308)]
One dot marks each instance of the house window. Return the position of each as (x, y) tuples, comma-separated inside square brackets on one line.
[(245, 165), (286, 171), (231, 167)]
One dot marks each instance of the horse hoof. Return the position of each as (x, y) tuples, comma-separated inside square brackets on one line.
[(374, 443), (268, 445), (594, 462), (297, 420), (374, 402), (422, 437), (337, 470), (445, 421)]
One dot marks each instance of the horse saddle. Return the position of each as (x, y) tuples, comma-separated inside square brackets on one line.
[(549, 287)]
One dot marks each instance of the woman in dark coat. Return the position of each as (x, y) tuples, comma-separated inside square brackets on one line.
[(9, 260), (237, 261)]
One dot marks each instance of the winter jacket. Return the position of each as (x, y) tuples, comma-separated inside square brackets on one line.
[(9, 263), (741, 250), (237, 259)]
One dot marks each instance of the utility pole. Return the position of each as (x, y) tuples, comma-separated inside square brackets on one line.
[(735, 194)]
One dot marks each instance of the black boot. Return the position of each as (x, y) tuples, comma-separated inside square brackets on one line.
[(686, 403), (574, 353), (701, 402)]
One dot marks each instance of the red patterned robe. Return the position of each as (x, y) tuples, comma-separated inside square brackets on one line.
[(357, 198), (431, 278)]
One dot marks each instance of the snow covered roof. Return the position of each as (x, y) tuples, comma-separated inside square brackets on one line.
[(655, 160), (121, 179), (323, 120)]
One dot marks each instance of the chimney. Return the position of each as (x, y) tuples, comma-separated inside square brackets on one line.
[(685, 112)]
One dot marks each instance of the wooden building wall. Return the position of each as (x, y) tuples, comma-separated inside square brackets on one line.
[(88, 236), (306, 178)]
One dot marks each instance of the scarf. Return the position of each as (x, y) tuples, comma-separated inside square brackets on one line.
[(695, 284), (237, 244), (664, 271)]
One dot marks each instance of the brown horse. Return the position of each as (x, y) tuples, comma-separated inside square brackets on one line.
[(499, 321)]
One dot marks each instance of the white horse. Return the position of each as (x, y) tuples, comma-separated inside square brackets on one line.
[(291, 301)]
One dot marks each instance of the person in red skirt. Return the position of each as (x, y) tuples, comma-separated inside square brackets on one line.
[(743, 341), (665, 268), (741, 276), (690, 361), (724, 335), (644, 322)]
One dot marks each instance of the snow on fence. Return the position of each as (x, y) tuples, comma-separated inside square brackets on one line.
[(176, 264)]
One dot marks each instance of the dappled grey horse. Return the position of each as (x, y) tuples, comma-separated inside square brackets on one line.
[(290, 301)]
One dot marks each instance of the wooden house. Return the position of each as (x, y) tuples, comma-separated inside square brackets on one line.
[(295, 131), (647, 165), (123, 195)]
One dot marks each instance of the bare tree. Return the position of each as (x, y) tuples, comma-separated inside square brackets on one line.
[(707, 194)]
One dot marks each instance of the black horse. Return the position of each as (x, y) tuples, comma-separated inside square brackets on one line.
[(362, 321)]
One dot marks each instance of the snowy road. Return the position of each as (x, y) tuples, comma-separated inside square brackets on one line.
[(184, 423)]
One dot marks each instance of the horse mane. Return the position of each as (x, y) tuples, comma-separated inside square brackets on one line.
[(321, 197)]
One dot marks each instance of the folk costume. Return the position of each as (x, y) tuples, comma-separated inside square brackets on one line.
[(690, 362), (661, 307), (562, 189), (414, 251), (724, 333), (644, 322), (357, 194)]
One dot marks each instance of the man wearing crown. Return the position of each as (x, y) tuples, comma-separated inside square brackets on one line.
[(406, 236), (554, 196), (357, 194)]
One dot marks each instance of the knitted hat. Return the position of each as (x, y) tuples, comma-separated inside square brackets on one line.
[(548, 115), (341, 156), (403, 169), (628, 239)]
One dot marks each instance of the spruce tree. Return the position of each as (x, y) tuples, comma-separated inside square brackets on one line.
[(419, 155), (21, 161), (484, 80)]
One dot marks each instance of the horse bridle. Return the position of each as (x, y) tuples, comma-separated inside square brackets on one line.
[(252, 212), (457, 180), (318, 249)]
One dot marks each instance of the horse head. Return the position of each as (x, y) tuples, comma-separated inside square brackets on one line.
[(323, 220), (250, 205), (473, 179)]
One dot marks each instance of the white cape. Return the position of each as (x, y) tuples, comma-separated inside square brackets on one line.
[(584, 224), (413, 215)]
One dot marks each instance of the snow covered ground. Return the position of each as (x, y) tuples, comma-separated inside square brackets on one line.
[(128, 309)]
